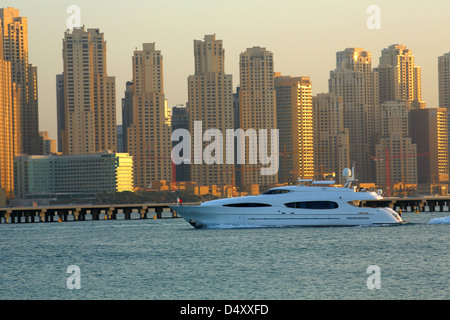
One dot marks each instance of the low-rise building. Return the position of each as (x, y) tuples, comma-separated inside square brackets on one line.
[(43, 178)]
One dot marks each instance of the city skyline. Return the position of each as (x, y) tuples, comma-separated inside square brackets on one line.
[(304, 38)]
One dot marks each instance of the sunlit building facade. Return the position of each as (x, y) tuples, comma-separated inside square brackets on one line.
[(444, 89), (257, 104), (399, 77), (14, 35), (428, 129), (9, 125), (89, 94), (356, 82), (210, 102), (295, 123), (396, 153), (148, 131), (331, 138), (43, 177)]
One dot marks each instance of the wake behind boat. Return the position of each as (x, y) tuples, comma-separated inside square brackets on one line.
[(293, 206)]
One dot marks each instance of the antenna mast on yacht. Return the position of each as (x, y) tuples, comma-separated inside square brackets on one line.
[(349, 174)]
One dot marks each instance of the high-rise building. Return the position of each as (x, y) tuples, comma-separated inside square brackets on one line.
[(127, 112), (444, 80), (444, 89), (14, 35), (294, 113), (210, 98), (60, 110), (237, 124), (356, 82), (399, 77), (331, 138), (395, 153), (120, 139), (149, 132), (48, 145), (428, 129), (9, 125), (180, 120), (257, 103), (89, 94)]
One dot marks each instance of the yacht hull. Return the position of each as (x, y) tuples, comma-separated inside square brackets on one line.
[(222, 217)]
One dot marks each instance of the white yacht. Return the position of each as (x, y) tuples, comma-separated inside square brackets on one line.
[(317, 203)]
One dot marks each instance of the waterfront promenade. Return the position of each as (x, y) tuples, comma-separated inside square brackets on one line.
[(79, 212)]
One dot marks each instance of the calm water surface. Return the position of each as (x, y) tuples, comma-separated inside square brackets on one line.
[(167, 259)]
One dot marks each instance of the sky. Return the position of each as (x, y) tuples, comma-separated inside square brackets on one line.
[(304, 37)]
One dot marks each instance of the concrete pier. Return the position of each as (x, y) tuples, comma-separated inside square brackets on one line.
[(66, 213), (423, 204)]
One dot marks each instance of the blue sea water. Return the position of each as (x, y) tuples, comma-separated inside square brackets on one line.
[(166, 259)]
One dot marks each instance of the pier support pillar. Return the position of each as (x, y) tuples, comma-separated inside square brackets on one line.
[(422, 206), (7, 217), (111, 213), (127, 213), (143, 213), (159, 211), (42, 216), (62, 216), (95, 215), (437, 208)]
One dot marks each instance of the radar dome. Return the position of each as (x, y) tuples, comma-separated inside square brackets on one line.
[(347, 172)]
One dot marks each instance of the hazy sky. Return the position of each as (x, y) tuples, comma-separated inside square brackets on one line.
[(304, 37)]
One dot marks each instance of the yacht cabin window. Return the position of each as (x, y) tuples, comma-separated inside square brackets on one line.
[(312, 205), (276, 191), (355, 203), (247, 205)]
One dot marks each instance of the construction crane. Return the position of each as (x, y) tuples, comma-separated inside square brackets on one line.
[(387, 163)]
